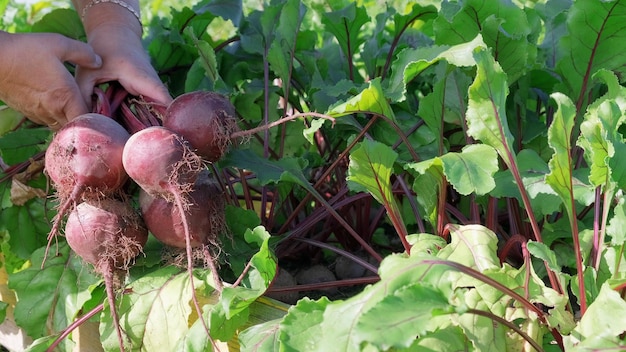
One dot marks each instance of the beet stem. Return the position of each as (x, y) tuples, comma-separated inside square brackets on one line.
[(261, 128), (181, 208), (213, 267), (147, 115), (74, 325), (64, 207), (132, 122), (118, 96), (243, 274), (102, 103), (108, 284)]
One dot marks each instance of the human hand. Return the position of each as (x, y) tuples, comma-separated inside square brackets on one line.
[(34, 79), (125, 61)]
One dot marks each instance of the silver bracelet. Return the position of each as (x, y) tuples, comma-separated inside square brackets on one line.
[(117, 2)]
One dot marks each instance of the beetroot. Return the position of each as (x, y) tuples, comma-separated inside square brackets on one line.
[(205, 119), (106, 230), (87, 154), (109, 234), (204, 215), (160, 162)]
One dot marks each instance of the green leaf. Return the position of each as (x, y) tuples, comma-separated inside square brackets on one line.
[(189, 22), (525, 282), (258, 36), (371, 164), (445, 104), (155, 314), (450, 338), (3, 311), (195, 340), (411, 62), (309, 133), (345, 24), (239, 221), (474, 246), (232, 311), (3, 6), (263, 262), (220, 327), (594, 31), (9, 119), (371, 99), (237, 300), (426, 243), (206, 55), (283, 47), (167, 54), (329, 326), (258, 235), (396, 319), (595, 343), (598, 137), (196, 78), (471, 170), (41, 344), (62, 21), (504, 28), (303, 326), (559, 137), (427, 185), (50, 298), (617, 224), (268, 171), (486, 114), (614, 90), (9, 261), (480, 330), (171, 53), (533, 170), (543, 252), (22, 144), (261, 337), (416, 17), (618, 173), (432, 109), (228, 9), (27, 227), (603, 318)]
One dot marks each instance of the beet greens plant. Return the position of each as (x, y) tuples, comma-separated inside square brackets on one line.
[(452, 172)]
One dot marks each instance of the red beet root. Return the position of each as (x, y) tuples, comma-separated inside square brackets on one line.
[(87, 153), (204, 215), (205, 119), (108, 234), (160, 162), (106, 230)]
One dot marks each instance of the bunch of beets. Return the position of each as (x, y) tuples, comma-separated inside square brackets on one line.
[(129, 149)]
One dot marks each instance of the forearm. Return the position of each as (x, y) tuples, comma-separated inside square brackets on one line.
[(110, 13)]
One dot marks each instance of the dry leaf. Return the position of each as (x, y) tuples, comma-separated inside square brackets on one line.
[(21, 193)]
